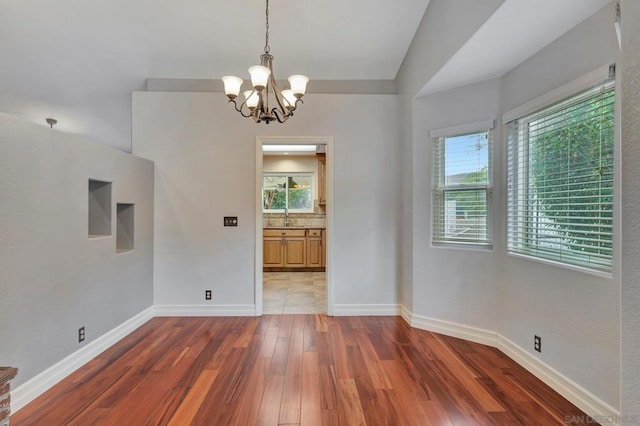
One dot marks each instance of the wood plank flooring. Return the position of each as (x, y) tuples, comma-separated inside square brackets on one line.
[(297, 369)]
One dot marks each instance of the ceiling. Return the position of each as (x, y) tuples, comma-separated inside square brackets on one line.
[(78, 61), (508, 40)]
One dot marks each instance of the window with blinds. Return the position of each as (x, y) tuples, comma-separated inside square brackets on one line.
[(561, 179), (462, 170)]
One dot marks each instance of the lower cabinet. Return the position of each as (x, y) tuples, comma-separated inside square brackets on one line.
[(324, 248), (293, 248), (314, 248), (295, 251), (272, 251), (284, 248)]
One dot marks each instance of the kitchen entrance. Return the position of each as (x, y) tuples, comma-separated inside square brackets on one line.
[(291, 228)]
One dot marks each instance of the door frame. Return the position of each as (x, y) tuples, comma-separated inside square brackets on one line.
[(293, 140)]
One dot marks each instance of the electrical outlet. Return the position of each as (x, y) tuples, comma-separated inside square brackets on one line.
[(207, 295), (81, 334), (537, 343)]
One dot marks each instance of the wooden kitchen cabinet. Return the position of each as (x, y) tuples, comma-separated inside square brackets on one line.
[(314, 248), (295, 251), (272, 251), (293, 248), (324, 248), (322, 178), (284, 248)]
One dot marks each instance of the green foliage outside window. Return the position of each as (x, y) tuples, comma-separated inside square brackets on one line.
[(571, 173), (281, 191)]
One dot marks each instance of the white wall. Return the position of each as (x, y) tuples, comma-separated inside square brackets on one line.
[(445, 27), (53, 278), (630, 371), (453, 284), (204, 153), (293, 164), (576, 314)]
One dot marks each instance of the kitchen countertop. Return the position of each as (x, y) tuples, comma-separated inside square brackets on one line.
[(293, 227)]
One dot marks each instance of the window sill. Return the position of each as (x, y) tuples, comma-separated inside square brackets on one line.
[(462, 246), (585, 270)]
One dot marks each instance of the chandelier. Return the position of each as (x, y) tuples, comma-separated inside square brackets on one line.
[(256, 100)]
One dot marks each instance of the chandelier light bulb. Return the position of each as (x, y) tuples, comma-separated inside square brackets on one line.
[(259, 76), (289, 98), (298, 85), (265, 102), (252, 98), (232, 85)]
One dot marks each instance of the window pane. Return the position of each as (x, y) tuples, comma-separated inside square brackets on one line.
[(462, 179), (466, 159), (465, 216), (561, 181), (273, 192), (300, 197)]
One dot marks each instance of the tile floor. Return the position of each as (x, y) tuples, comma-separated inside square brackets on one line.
[(294, 293)]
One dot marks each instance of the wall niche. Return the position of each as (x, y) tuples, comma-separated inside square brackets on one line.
[(99, 208), (124, 229)]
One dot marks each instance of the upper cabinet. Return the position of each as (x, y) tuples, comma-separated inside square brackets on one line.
[(322, 178)]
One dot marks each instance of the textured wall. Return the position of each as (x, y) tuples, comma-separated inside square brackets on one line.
[(53, 278), (445, 27), (515, 297), (204, 153), (454, 284), (576, 314), (631, 209)]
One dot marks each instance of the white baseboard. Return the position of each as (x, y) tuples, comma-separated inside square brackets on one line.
[(204, 310), (580, 397), (365, 310), (34, 387), (473, 334), (570, 390), (577, 395)]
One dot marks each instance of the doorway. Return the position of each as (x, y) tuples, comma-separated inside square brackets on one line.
[(293, 225)]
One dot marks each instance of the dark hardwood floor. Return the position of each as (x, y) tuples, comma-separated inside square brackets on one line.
[(297, 369)]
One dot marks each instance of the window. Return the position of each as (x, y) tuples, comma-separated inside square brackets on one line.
[(462, 170), (293, 191), (560, 180)]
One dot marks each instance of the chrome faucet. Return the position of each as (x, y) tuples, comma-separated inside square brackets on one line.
[(286, 216)]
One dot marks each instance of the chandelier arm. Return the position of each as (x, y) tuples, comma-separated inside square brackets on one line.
[(296, 105), (277, 94), (282, 109), (280, 116), (239, 109)]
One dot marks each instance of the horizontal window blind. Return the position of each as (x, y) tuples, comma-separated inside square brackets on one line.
[(462, 170), (561, 179)]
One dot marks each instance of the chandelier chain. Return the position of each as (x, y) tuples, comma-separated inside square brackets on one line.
[(265, 89), (267, 49)]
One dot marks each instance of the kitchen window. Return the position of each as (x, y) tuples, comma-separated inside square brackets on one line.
[(561, 180), (462, 176), (291, 191)]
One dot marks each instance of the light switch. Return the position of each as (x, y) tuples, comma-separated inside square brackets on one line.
[(231, 221)]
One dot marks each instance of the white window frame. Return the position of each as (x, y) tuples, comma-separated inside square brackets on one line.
[(516, 176), (287, 175), (438, 168)]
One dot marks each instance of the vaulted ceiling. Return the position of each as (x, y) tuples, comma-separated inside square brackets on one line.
[(78, 61)]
